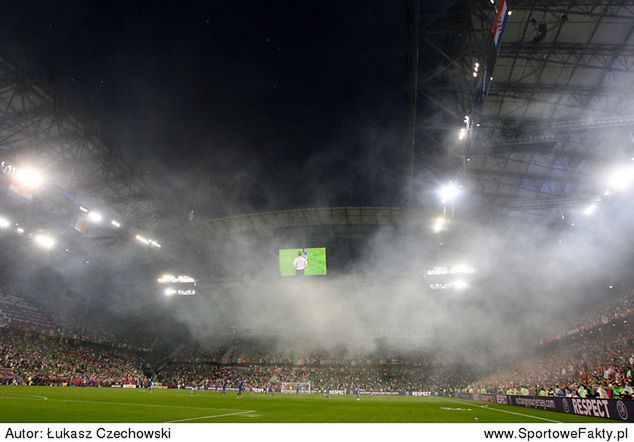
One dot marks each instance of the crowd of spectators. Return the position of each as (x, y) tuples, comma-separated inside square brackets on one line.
[(340, 377), (38, 359), (597, 363), (620, 307), (592, 358)]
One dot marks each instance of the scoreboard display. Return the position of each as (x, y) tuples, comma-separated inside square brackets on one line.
[(306, 261)]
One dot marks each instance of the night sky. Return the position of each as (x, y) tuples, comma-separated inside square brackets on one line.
[(226, 107)]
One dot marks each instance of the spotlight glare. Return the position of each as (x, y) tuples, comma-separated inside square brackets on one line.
[(169, 292), (439, 224), (20, 230), (44, 241), (448, 192), (621, 179), (95, 217), (463, 132), (4, 223), (115, 223), (142, 240), (28, 177), (460, 284), (590, 209)]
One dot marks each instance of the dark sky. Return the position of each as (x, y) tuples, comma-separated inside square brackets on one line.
[(235, 105)]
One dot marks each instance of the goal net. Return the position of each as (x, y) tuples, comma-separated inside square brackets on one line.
[(294, 387)]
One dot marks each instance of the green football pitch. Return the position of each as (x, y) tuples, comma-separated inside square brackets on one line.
[(59, 404)]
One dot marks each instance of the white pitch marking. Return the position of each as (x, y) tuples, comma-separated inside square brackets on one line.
[(504, 411), (210, 417), (120, 403), (43, 398)]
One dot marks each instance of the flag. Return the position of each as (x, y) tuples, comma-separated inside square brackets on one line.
[(499, 26), (486, 68)]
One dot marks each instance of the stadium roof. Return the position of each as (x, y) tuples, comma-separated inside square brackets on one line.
[(558, 110), (284, 219)]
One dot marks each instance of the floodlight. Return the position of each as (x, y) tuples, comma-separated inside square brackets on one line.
[(460, 284), (44, 241), (590, 209), (166, 278), (621, 178), (142, 239), (20, 230), (115, 223), (95, 217), (449, 192), (461, 269), (463, 132), (28, 177), (439, 224), (169, 292), (4, 223)]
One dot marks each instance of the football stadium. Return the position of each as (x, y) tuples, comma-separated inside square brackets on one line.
[(239, 212)]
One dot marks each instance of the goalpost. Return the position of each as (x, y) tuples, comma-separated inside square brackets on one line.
[(293, 387)]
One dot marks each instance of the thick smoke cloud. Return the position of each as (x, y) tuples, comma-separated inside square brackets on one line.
[(530, 280)]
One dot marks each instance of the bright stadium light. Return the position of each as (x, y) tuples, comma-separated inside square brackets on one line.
[(4, 223), (166, 278), (20, 230), (169, 292), (142, 240), (621, 179), (115, 223), (439, 224), (28, 177), (463, 132), (449, 192), (95, 217), (460, 284), (461, 269), (590, 209), (44, 241)]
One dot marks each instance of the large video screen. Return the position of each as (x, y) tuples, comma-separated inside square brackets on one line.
[(303, 261)]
